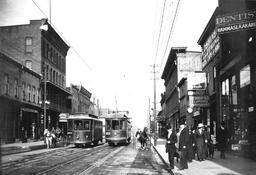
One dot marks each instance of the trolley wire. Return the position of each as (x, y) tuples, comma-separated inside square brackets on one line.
[(170, 33)]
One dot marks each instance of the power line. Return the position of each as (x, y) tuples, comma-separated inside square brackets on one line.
[(55, 28), (159, 34), (173, 21)]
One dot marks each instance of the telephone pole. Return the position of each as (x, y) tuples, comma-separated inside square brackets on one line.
[(154, 111)]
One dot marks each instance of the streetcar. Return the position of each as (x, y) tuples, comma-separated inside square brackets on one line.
[(84, 129), (117, 129)]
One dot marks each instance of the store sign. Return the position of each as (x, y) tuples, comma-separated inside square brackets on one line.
[(236, 22), (200, 101), (210, 47)]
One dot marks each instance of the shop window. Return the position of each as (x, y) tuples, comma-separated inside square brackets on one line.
[(245, 76), (234, 90), (28, 45)]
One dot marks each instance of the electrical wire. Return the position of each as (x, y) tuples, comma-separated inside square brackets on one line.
[(62, 36), (173, 21), (159, 34)]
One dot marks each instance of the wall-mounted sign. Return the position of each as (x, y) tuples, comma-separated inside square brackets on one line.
[(210, 47), (200, 101), (236, 21)]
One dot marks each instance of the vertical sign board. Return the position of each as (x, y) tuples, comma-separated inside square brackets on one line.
[(238, 21)]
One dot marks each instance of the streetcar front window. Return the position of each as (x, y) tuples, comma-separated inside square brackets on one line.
[(70, 125), (108, 124), (122, 124), (115, 124)]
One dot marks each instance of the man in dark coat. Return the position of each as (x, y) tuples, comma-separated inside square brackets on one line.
[(170, 146), (183, 146), (222, 138)]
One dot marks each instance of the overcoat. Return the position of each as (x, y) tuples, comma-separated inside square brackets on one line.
[(170, 142)]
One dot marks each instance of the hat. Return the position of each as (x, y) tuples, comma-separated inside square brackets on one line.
[(200, 125)]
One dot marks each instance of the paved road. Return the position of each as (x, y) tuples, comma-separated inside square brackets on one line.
[(102, 159)]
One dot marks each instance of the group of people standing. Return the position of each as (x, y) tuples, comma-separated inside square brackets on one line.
[(51, 136), (187, 144), (142, 137)]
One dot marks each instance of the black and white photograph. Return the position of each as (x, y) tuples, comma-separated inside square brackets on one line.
[(128, 87)]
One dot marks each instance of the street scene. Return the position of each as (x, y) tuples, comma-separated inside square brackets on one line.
[(128, 87)]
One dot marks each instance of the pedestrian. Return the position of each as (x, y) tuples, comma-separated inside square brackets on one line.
[(183, 147), (137, 135), (211, 146), (144, 138), (222, 139), (53, 135), (58, 133), (200, 142), (48, 138), (207, 138), (191, 144), (177, 155), (170, 146)]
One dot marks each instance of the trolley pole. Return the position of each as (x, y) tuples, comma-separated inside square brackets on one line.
[(44, 97)]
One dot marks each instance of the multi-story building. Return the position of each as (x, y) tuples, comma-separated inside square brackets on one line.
[(180, 64), (80, 99), (19, 100), (44, 52), (229, 50)]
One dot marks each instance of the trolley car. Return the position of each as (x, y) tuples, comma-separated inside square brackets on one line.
[(84, 129), (118, 129)]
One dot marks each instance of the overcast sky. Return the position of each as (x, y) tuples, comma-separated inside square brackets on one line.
[(117, 40)]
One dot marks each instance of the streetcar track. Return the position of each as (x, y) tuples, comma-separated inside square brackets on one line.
[(58, 165)]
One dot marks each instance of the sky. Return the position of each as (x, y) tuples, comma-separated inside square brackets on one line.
[(114, 43)]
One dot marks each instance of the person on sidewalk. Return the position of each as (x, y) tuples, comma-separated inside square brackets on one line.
[(183, 146), (222, 139), (144, 138), (137, 135), (48, 138), (191, 144), (170, 145), (200, 142)]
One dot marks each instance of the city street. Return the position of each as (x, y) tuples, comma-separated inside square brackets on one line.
[(103, 159)]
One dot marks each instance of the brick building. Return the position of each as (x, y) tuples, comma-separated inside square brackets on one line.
[(44, 52), (228, 46), (19, 101)]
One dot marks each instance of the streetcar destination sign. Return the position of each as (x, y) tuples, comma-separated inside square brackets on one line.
[(236, 22)]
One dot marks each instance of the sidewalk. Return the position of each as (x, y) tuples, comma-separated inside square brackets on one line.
[(232, 165), (14, 148)]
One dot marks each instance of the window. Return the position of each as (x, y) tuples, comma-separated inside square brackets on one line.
[(115, 125), (28, 45), (47, 72), (34, 94), (38, 96), (245, 76), (24, 91), (6, 84), (122, 123), (214, 78), (16, 88), (108, 124), (29, 92), (78, 125), (87, 125), (234, 90), (28, 64)]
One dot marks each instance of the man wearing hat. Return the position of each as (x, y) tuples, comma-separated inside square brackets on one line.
[(222, 138), (200, 142), (183, 146), (170, 145)]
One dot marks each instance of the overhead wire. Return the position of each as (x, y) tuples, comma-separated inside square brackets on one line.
[(170, 33), (159, 34), (62, 36)]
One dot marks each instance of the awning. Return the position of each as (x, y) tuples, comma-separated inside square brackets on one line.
[(29, 110), (63, 117)]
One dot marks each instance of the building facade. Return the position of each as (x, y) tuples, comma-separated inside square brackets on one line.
[(19, 100), (228, 45), (180, 64), (80, 99), (44, 52)]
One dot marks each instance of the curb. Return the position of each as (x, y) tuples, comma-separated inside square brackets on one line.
[(165, 163)]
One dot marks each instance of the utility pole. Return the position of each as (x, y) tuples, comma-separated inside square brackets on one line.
[(44, 96), (149, 115), (154, 112)]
